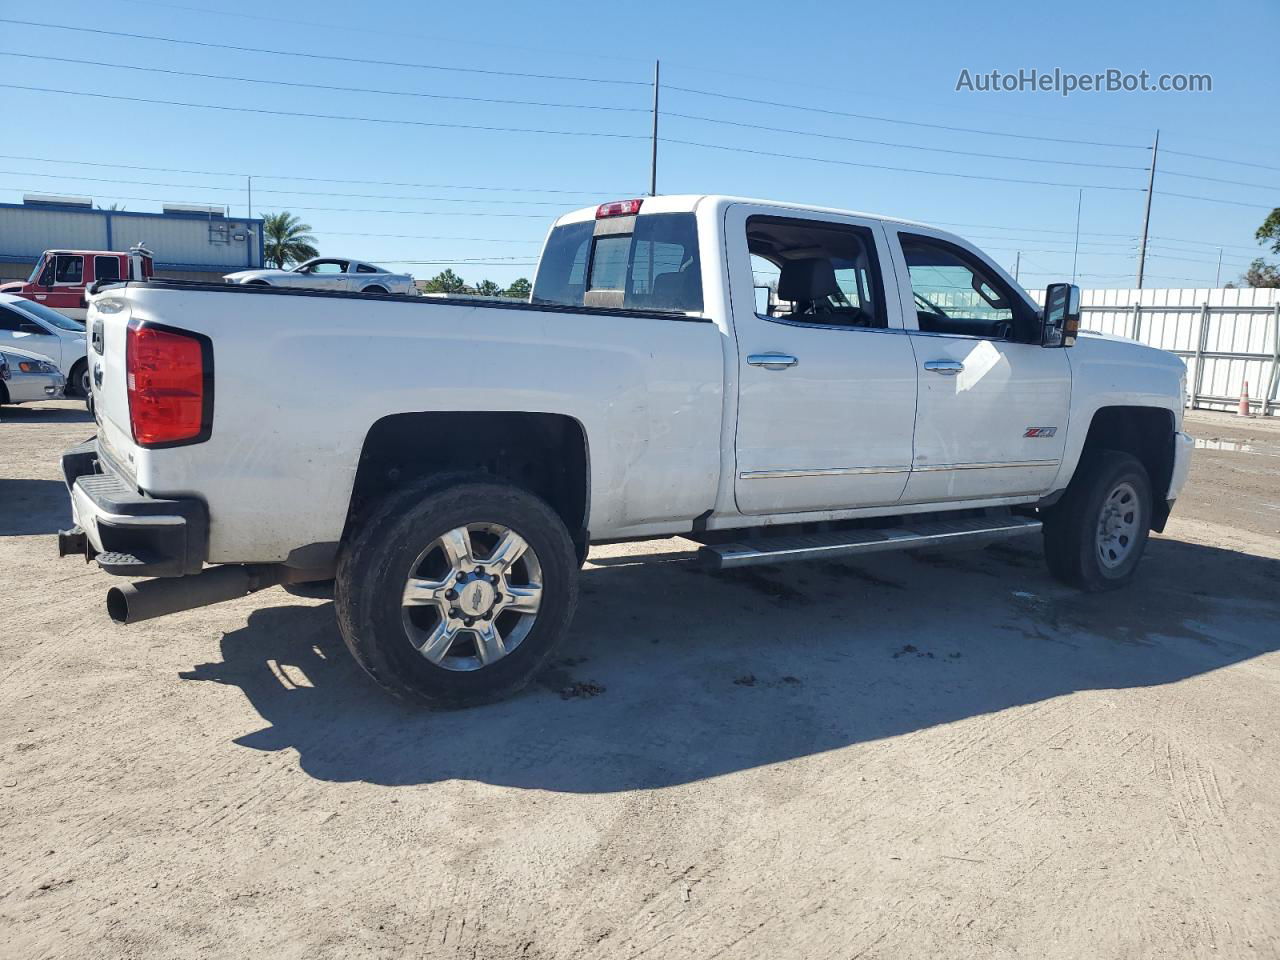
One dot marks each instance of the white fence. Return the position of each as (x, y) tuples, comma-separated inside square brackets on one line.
[(1226, 338)]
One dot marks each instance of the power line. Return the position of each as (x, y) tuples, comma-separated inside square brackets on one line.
[(1241, 163), (1209, 244), (468, 262), (259, 176), (880, 166), (909, 123), (413, 236), (397, 34), (321, 56), (424, 213), (1237, 183), (326, 116), (993, 226), (904, 146), (1234, 203), (302, 193), (325, 86)]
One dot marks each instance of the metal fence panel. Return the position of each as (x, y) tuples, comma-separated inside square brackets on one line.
[(1227, 338)]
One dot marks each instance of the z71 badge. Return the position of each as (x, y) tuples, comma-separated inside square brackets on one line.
[(1034, 432)]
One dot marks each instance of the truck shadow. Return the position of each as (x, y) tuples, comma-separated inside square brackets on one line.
[(671, 675), (33, 507)]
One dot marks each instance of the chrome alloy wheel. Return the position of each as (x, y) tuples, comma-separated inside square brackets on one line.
[(472, 596), (1118, 525)]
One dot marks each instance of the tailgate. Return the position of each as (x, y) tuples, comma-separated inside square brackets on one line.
[(107, 324)]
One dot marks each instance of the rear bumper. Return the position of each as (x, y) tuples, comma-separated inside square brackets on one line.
[(127, 532)]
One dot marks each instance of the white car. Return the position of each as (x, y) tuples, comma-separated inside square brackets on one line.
[(27, 376), (330, 273), (35, 327), (900, 391)]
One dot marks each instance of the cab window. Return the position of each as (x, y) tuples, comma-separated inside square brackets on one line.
[(68, 269), (654, 267), (106, 268), (955, 293), (811, 272)]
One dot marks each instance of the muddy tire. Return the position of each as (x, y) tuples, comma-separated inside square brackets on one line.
[(456, 593), (1095, 535)]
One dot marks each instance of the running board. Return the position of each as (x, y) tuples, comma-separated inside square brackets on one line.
[(848, 543)]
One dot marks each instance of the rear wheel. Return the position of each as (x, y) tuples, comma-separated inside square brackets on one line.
[(456, 594), (1095, 535)]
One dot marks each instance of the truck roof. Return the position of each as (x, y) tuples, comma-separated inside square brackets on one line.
[(688, 203), (91, 253)]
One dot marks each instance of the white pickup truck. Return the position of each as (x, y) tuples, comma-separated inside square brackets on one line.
[(776, 382)]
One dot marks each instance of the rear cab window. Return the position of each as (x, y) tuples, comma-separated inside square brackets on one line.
[(643, 262)]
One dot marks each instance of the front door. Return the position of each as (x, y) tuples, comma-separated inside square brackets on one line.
[(826, 376), (19, 330), (991, 420), (67, 293)]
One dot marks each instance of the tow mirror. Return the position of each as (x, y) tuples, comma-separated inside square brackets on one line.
[(1061, 318)]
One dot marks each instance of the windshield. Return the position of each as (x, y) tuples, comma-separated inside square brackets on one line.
[(51, 317), (35, 271)]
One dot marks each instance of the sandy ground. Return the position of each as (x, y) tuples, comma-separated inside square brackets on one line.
[(935, 756)]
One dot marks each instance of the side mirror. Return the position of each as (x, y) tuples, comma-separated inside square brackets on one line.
[(1061, 317)]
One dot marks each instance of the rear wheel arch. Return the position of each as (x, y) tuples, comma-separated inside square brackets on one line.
[(1147, 433), (545, 454)]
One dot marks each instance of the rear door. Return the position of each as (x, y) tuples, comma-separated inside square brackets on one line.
[(991, 419), (826, 374)]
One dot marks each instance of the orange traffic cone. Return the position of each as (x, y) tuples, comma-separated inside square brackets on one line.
[(1244, 401)]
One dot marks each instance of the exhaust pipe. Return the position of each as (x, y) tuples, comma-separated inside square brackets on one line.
[(148, 599)]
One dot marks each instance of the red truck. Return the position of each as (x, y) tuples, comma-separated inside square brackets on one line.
[(61, 277)]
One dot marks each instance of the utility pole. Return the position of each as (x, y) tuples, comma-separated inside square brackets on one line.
[(1075, 254), (1017, 262), (249, 183), (653, 158), (1146, 217), (1217, 277)]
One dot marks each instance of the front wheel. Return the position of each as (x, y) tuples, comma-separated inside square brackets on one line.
[(456, 594), (1095, 535), (78, 381)]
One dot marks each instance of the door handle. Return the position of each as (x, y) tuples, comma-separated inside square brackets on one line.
[(771, 361), (948, 368)]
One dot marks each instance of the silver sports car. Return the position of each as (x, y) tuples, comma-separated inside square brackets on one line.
[(330, 273)]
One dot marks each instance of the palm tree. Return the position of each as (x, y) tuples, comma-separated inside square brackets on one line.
[(288, 239)]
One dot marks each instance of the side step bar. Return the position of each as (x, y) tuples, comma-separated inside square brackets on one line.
[(847, 543)]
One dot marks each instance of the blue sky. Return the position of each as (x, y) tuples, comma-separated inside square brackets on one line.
[(896, 62)]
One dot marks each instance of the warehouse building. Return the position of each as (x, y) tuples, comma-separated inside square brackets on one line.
[(190, 242)]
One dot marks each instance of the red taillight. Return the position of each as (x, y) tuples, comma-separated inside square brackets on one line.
[(619, 208), (169, 383)]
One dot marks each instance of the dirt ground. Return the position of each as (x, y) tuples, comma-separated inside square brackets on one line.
[(943, 755)]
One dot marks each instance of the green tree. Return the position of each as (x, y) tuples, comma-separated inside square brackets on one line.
[(1261, 274), (287, 239), (1270, 231), (445, 282), (519, 289), (487, 288)]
